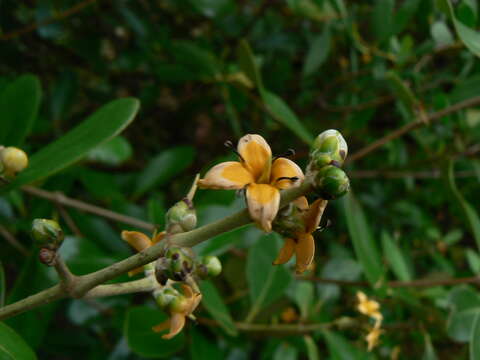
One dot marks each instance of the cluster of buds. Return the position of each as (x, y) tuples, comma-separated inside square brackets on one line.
[(181, 217), (12, 161), (48, 236), (327, 155), (371, 308)]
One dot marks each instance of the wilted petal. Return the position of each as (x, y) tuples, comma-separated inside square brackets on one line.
[(177, 322), (305, 250), (159, 237), (263, 201), (314, 215), (285, 168), (137, 240), (226, 175), (257, 155), (163, 326), (286, 252)]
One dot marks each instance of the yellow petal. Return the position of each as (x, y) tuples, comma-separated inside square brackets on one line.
[(163, 326), (286, 252), (137, 240), (196, 299), (257, 155), (301, 203), (305, 250), (159, 237), (177, 322), (285, 168), (263, 201), (226, 175), (314, 215)]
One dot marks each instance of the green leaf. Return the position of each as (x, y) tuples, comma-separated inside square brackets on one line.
[(3, 288), (317, 53), (203, 348), (19, 104), (473, 260), (429, 353), (464, 302), (312, 349), (468, 36), (163, 167), (143, 340), (266, 282), (105, 123), (363, 242), (470, 215), (200, 61), (441, 34), (12, 346), (216, 307), (382, 21), (285, 351), (404, 14), (248, 64), (475, 339), (395, 258), (113, 152), (340, 348), (401, 90), (281, 112), (304, 293)]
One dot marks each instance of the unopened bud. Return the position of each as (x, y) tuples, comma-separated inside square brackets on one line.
[(162, 270), (179, 304), (331, 182), (178, 264), (211, 266), (13, 160), (47, 234), (329, 148), (165, 296), (181, 217)]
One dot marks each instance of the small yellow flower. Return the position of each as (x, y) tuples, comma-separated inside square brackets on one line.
[(262, 178), (13, 160), (181, 308), (139, 241), (373, 336), (303, 243), (368, 307)]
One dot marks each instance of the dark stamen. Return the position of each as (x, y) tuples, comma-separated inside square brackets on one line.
[(327, 225), (293, 178), (335, 163), (229, 144), (286, 154)]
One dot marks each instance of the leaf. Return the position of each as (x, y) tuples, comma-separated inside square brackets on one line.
[(470, 215), (304, 293), (112, 152), (285, 351), (12, 346), (441, 34), (363, 242), (3, 288), (200, 61), (395, 258), (216, 307), (340, 348), (143, 340), (475, 339), (266, 282), (203, 348), (19, 104), (164, 167), (281, 112), (404, 14), (473, 260), (247, 63), (464, 302), (312, 349), (429, 353), (317, 53), (105, 123), (468, 36), (382, 21)]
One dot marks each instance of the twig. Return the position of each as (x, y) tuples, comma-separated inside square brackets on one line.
[(68, 219), (143, 285), (390, 174), (413, 125), (62, 15), (67, 279), (60, 198), (13, 241)]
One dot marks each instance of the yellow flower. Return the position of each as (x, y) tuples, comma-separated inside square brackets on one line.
[(373, 336), (139, 241), (261, 177), (303, 243), (181, 308), (368, 307)]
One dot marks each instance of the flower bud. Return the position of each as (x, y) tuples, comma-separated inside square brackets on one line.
[(165, 296), (289, 221), (329, 148), (179, 304), (162, 270), (181, 217), (13, 160), (180, 263), (210, 265), (331, 182), (47, 234)]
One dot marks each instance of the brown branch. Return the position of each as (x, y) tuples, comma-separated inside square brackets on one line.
[(13, 241), (59, 198), (61, 15), (391, 174), (412, 126)]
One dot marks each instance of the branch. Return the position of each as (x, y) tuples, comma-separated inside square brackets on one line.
[(412, 126), (87, 282)]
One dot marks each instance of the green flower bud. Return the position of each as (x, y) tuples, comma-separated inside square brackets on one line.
[(181, 217), (47, 233), (165, 296), (211, 265), (179, 304), (180, 263), (331, 182), (329, 148), (13, 160)]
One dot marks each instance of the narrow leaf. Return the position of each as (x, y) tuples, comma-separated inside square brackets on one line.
[(312, 349), (247, 63), (429, 353), (12, 346), (318, 53), (395, 258)]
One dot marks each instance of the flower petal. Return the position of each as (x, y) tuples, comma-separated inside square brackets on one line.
[(177, 322), (226, 175), (286, 252), (305, 250), (314, 215), (137, 240), (263, 201), (257, 155), (301, 203), (162, 326), (285, 168), (159, 237)]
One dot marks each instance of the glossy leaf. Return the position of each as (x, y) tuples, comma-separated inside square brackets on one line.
[(105, 123), (214, 304), (143, 340), (396, 258), (112, 152), (12, 346), (19, 104)]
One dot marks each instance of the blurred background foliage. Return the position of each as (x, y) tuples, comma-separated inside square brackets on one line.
[(207, 71)]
